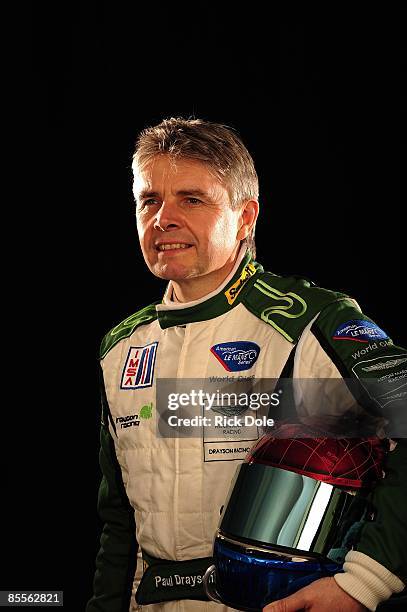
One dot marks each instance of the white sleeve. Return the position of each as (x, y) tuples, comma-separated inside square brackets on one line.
[(367, 581)]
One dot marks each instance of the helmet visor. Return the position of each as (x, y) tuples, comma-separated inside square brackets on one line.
[(281, 509)]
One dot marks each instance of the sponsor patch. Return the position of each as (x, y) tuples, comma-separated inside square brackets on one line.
[(139, 367), (231, 438), (385, 379), (385, 365), (236, 356), (235, 289), (388, 368), (359, 330), (230, 451), (130, 420), (147, 411)]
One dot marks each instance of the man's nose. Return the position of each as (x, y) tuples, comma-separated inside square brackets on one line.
[(168, 216)]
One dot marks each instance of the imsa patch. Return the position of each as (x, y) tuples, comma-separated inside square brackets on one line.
[(138, 370)]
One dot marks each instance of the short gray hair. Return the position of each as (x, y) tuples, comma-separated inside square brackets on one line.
[(217, 146)]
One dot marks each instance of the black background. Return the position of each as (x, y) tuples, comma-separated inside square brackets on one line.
[(317, 99)]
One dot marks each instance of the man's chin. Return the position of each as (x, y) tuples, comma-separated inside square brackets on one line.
[(174, 273)]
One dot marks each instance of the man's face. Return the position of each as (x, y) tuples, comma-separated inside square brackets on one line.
[(185, 223)]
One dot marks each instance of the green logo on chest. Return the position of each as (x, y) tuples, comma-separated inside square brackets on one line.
[(147, 411)]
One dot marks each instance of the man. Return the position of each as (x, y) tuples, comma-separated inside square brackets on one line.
[(196, 192)]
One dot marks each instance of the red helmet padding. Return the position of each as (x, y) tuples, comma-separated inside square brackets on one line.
[(345, 462)]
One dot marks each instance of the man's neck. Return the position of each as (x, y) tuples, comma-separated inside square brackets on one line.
[(192, 289)]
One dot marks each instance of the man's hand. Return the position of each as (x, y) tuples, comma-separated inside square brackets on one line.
[(323, 595)]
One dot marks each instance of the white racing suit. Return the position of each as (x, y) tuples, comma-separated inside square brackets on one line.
[(161, 497)]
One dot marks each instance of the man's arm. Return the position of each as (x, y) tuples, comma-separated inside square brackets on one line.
[(360, 351), (117, 556), (377, 566), (343, 342)]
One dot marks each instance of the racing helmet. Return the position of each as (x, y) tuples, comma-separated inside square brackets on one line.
[(294, 509)]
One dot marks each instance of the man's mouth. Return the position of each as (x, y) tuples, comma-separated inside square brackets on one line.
[(170, 246)]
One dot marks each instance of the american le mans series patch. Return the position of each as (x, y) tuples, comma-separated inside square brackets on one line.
[(359, 330), (236, 356)]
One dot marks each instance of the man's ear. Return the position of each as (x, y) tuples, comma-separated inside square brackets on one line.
[(248, 216)]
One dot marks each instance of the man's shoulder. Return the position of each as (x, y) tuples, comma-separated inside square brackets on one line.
[(289, 303), (126, 327)]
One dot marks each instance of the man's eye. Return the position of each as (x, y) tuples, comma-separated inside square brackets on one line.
[(193, 201), (149, 201)]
